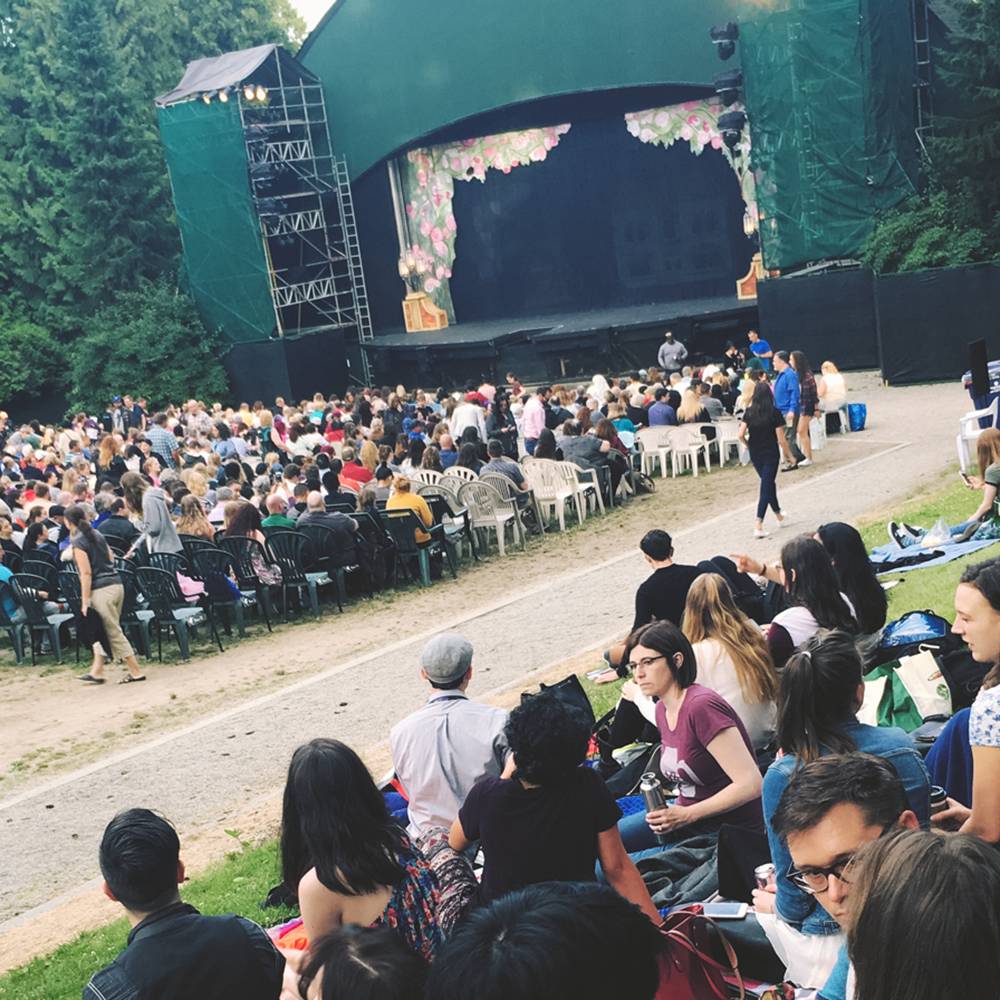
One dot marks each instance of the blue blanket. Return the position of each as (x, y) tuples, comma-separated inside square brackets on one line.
[(883, 556)]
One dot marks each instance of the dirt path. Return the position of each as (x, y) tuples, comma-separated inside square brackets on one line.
[(207, 742)]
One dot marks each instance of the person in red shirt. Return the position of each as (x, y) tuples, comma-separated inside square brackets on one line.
[(353, 469)]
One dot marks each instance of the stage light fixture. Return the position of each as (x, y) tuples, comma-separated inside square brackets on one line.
[(725, 37), (727, 86), (248, 91), (260, 93), (223, 96), (731, 126)]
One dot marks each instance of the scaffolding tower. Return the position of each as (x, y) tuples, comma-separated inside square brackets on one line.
[(302, 195)]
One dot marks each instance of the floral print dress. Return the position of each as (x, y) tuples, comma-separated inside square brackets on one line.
[(412, 909)]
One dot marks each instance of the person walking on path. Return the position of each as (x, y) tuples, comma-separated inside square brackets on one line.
[(671, 354), (761, 431), (101, 593)]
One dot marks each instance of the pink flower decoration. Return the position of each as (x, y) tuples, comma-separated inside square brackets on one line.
[(515, 163), (425, 228), (686, 133), (456, 163), (411, 209), (441, 249), (431, 285), (716, 142), (437, 199), (436, 235), (506, 169), (693, 119), (450, 224), (689, 105)]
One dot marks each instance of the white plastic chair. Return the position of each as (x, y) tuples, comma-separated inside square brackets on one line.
[(687, 446), (429, 476), (727, 438), (461, 472), (585, 485), (490, 512), (969, 431), (654, 446), (551, 493), (506, 488)]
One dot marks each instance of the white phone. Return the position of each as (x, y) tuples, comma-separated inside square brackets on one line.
[(725, 911)]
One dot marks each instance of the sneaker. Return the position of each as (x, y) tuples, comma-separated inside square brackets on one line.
[(760, 533), (805, 463), (787, 467), (783, 519), (911, 531), (897, 535)]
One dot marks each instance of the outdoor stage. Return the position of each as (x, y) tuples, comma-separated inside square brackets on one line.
[(559, 345)]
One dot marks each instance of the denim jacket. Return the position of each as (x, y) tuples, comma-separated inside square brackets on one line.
[(795, 906)]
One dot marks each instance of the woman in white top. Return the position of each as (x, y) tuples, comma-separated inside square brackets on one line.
[(732, 655), (831, 388)]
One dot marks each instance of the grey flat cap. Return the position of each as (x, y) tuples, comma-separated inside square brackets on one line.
[(446, 658)]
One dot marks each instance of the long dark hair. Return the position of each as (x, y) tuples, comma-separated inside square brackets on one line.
[(468, 455), (855, 573), (335, 820), (816, 696), (245, 521), (811, 583), (801, 365), (35, 534), (77, 517), (133, 487), (546, 447), (985, 577), (761, 407)]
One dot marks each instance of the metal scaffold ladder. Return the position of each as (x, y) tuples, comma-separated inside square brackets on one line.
[(350, 228)]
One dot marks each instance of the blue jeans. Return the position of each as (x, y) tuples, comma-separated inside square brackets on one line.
[(767, 468), (530, 444), (636, 833)]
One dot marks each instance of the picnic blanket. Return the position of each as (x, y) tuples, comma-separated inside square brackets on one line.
[(890, 558)]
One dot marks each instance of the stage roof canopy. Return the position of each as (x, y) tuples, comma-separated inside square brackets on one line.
[(395, 71)]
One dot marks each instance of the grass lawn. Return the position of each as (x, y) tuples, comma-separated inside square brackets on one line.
[(238, 884)]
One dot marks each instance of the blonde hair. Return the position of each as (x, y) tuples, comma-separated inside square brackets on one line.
[(401, 484), (109, 448), (711, 613), (369, 455), (690, 406), (197, 484), (829, 368), (192, 520)]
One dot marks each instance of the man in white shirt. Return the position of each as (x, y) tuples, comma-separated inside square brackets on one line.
[(467, 414), (443, 749)]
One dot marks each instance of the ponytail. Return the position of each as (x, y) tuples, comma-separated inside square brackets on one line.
[(816, 697), (77, 517)]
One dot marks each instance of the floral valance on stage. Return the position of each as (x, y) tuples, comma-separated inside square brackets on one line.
[(429, 177), (697, 124)]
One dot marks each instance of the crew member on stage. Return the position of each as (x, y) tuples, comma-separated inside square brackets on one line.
[(671, 354)]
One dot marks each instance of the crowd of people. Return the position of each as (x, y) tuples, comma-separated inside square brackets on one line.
[(750, 678), (506, 860)]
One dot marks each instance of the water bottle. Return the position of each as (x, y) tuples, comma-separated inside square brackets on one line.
[(652, 794)]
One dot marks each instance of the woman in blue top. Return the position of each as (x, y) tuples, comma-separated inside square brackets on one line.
[(821, 689)]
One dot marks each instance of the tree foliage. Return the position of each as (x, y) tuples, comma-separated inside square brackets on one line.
[(30, 359), (957, 220), (149, 342), (85, 210)]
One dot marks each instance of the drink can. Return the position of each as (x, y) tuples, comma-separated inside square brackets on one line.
[(939, 799), (765, 875)]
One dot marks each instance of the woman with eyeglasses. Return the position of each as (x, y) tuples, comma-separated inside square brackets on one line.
[(820, 691), (705, 750)]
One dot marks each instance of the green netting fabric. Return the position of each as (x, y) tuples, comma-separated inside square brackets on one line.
[(828, 95), (224, 256)]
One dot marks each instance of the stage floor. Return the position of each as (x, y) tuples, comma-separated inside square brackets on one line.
[(540, 328)]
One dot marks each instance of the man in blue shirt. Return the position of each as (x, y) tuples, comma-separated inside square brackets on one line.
[(660, 412), (760, 348), (787, 396), (828, 811)]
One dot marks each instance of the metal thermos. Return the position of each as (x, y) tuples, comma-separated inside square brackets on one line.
[(765, 875), (939, 799), (652, 795)]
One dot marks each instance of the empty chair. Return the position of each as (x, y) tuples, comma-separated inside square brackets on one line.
[(69, 588), (461, 472), (171, 609), (447, 510), (506, 488), (287, 550), (488, 511), (654, 447), (43, 616), (16, 631), (550, 489), (687, 447), (134, 619), (584, 484), (429, 476), (727, 439)]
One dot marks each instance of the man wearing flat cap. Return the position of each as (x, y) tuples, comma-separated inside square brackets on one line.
[(444, 748)]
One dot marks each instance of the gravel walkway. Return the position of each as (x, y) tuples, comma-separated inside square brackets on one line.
[(203, 773)]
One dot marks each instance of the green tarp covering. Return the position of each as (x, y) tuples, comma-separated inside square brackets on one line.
[(829, 90), (223, 251)]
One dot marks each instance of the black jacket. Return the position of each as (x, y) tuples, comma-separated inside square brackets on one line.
[(177, 954)]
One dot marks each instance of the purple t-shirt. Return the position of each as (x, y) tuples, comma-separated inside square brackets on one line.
[(686, 762)]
